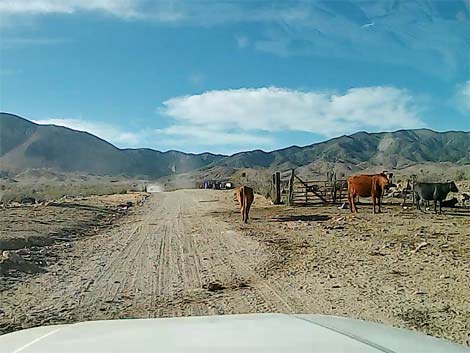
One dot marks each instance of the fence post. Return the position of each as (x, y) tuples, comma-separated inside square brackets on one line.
[(273, 189), (291, 188), (277, 178)]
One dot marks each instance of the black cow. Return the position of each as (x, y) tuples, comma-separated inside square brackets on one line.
[(433, 192)]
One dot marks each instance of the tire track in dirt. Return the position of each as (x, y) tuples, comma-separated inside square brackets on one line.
[(271, 297), (121, 271), (157, 264)]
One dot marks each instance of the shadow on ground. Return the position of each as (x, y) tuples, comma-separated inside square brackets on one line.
[(82, 207), (304, 218)]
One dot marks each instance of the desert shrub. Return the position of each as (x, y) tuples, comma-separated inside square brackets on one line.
[(260, 181), (460, 175), (46, 192)]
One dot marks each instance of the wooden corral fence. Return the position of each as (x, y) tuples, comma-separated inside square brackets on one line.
[(294, 190), (289, 188), (280, 187)]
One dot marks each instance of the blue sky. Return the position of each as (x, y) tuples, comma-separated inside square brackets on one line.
[(225, 76)]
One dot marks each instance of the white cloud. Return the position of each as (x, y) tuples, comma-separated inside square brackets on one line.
[(202, 13), (121, 8), (249, 118), (189, 138), (462, 97), (275, 109), (105, 131)]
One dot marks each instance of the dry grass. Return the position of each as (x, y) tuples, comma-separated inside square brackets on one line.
[(258, 179), (44, 192)]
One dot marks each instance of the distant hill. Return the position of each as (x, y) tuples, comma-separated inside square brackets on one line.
[(25, 145), (388, 149)]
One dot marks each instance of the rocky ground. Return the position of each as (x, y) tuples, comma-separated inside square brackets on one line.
[(31, 234)]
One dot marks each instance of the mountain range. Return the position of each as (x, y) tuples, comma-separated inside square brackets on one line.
[(25, 145)]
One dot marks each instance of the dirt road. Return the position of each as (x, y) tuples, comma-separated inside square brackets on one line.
[(187, 253), (171, 259)]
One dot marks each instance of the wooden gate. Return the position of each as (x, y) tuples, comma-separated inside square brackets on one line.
[(311, 192)]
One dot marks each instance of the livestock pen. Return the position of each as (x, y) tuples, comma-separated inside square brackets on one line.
[(296, 191)]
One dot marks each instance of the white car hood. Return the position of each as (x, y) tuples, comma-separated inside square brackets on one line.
[(227, 333)]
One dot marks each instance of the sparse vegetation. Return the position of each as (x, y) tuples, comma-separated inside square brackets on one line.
[(258, 179), (45, 192), (460, 175)]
